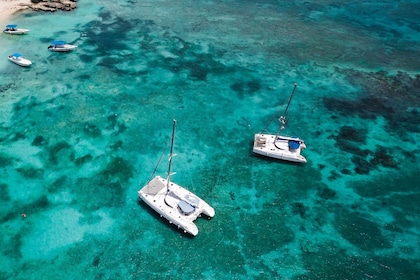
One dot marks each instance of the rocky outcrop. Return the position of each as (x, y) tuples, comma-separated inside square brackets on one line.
[(53, 5)]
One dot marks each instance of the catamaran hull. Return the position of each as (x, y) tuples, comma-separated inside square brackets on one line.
[(154, 194), (265, 145), (277, 155), (187, 227)]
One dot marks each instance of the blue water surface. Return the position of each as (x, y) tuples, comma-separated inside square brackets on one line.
[(81, 133)]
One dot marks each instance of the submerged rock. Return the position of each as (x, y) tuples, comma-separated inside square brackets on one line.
[(52, 5)]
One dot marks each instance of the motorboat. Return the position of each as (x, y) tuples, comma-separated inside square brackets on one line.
[(61, 46), (173, 202), (19, 60), (279, 146), (12, 29)]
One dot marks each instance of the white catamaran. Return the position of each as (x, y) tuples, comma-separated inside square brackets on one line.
[(278, 146), (173, 202)]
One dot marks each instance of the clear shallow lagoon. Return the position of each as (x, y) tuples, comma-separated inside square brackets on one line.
[(81, 132)]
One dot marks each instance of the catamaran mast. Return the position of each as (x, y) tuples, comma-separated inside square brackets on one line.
[(283, 117), (171, 154), (288, 104)]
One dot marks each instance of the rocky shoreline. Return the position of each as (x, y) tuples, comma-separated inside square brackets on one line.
[(52, 5)]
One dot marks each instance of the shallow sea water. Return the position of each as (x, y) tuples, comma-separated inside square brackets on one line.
[(81, 132)]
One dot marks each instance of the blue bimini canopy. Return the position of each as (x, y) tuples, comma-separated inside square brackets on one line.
[(16, 55), (58, 43), (294, 145), (11, 26), (185, 207)]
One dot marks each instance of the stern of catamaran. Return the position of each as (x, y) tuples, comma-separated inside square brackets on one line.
[(208, 211)]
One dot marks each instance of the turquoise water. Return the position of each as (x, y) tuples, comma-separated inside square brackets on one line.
[(81, 132)]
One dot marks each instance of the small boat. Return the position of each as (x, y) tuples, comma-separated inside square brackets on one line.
[(19, 60), (61, 46), (12, 29), (173, 202), (278, 146)]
